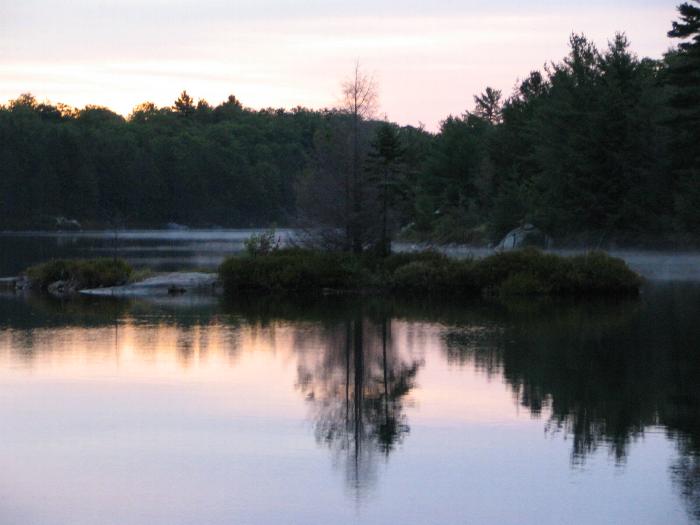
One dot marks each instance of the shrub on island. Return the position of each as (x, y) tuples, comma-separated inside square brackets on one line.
[(521, 272), (532, 272), (80, 273), (292, 270)]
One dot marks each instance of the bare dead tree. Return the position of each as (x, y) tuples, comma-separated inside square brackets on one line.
[(333, 202), (360, 102)]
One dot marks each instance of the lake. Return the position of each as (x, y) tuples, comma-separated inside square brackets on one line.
[(191, 410)]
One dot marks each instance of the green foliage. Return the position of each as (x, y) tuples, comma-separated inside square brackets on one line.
[(445, 277), (494, 270), (523, 284), (292, 271), (682, 74), (599, 272), (387, 169), (579, 149), (82, 273), (190, 164), (488, 105), (530, 271), (396, 260), (184, 105), (522, 272), (454, 172)]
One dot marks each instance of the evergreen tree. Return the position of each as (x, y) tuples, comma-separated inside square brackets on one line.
[(184, 105), (385, 164), (488, 105), (684, 77)]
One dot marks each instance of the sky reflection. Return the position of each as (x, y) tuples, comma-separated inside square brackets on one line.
[(365, 414)]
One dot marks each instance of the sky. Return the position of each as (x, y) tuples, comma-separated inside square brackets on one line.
[(428, 58)]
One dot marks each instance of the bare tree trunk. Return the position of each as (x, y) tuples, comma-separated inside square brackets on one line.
[(384, 365), (385, 210), (359, 388), (360, 96), (357, 190), (348, 338)]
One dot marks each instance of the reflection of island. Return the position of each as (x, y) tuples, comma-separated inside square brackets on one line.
[(604, 373), (356, 388)]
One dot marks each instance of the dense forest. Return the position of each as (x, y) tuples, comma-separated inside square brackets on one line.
[(600, 146)]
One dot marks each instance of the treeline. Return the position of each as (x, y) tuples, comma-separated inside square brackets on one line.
[(600, 146), (190, 163)]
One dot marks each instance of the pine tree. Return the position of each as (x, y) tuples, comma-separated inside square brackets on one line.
[(684, 77), (488, 105), (184, 105), (385, 163)]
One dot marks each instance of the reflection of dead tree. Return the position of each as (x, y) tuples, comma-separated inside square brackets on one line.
[(358, 400)]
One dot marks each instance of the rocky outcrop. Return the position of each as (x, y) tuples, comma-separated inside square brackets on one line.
[(63, 223), (167, 284), (15, 283), (177, 227), (62, 288), (525, 235)]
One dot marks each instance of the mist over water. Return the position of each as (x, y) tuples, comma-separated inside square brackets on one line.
[(156, 249), (205, 249), (661, 266)]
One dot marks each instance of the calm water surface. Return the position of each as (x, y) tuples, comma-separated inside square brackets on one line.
[(351, 411)]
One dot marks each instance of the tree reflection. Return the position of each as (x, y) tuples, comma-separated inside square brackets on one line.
[(357, 387), (604, 373), (685, 472)]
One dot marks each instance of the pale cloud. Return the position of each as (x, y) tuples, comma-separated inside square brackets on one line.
[(429, 61)]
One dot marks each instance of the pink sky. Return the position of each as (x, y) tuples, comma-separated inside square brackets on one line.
[(428, 61)]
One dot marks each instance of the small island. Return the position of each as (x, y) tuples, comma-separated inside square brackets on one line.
[(285, 271)]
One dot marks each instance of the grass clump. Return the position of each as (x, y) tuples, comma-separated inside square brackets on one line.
[(262, 243), (292, 270), (597, 272), (532, 272), (80, 273), (435, 277), (522, 272)]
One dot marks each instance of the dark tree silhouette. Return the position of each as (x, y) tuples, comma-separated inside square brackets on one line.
[(184, 105), (356, 392), (488, 105), (386, 168)]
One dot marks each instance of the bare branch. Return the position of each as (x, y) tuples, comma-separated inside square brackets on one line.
[(359, 94)]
